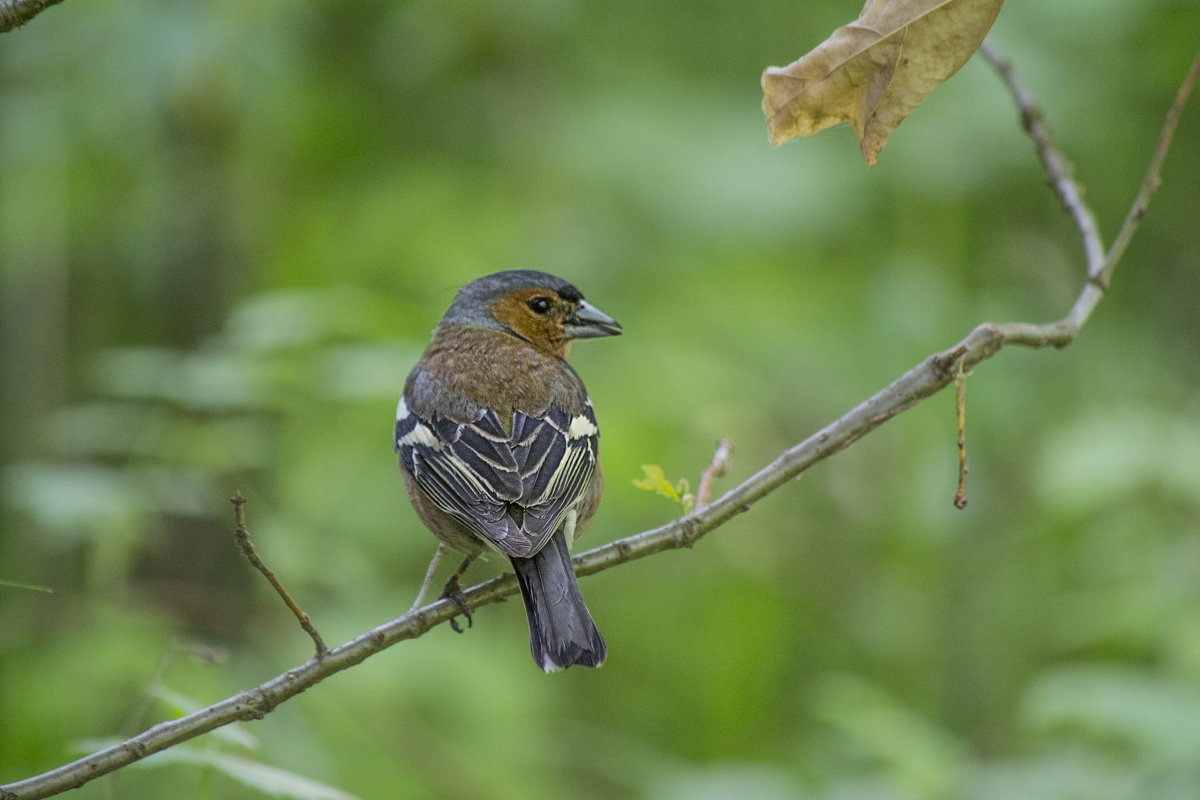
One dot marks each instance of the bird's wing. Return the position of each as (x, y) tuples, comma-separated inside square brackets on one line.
[(467, 469), (511, 490), (556, 457)]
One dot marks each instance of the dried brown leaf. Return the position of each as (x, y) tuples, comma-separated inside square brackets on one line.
[(873, 72)]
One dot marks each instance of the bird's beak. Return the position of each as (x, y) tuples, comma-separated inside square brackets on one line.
[(590, 322)]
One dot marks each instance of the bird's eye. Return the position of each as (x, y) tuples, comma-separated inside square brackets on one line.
[(539, 304)]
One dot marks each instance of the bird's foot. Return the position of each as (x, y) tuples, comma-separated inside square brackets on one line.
[(452, 591)]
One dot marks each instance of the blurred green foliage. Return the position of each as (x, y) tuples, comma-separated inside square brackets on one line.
[(227, 228)]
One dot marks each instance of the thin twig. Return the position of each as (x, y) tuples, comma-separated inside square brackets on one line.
[(15, 13), (716, 469), (1151, 180), (960, 398), (425, 584), (1058, 170), (243, 540)]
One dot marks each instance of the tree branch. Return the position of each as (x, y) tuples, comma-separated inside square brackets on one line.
[(242, 537), (960, 406), (15, 13), (1100, 264), (716, 469), (1151, 181), (1058, 171), (923, 380)]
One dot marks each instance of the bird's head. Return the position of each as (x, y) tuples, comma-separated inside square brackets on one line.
[(544, 310)]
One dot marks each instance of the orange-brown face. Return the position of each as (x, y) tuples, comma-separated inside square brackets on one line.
[(539, 316)]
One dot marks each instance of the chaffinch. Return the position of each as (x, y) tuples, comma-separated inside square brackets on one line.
[(498, 445)]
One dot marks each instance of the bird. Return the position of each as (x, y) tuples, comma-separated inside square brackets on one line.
[(498, 447)]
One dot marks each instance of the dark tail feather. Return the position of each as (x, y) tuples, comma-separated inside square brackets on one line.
[(561, 631)]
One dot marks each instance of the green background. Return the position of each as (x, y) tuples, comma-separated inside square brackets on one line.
[(227, 228)]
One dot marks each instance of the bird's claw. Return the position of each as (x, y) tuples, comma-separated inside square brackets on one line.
[(452, 591)]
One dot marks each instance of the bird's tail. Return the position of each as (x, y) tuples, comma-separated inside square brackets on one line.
[(561, 631)]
